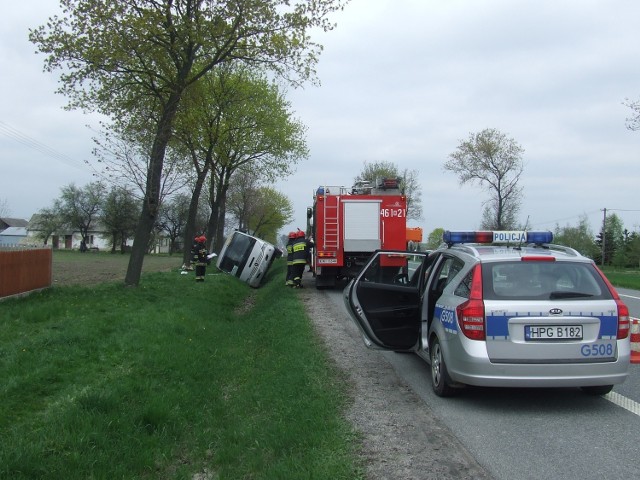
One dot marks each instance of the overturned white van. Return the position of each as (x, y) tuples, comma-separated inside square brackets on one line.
[(247, 257)]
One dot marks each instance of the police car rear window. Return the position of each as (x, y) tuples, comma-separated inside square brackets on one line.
[(542, 281)]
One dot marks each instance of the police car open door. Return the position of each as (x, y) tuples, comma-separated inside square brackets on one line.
[(384, 300)]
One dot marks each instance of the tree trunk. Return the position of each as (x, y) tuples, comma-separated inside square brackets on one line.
[(190, 227), (150, 205)]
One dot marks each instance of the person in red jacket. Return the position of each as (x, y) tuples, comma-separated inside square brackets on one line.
[(200, 257)]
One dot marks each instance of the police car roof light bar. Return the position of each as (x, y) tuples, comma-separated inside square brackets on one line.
[(520, 237)]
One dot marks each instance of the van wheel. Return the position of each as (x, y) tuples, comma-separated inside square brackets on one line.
[(597, 390), (440, 380)]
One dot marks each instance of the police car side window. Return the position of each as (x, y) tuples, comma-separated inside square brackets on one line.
[(447, 271), (464, 289)]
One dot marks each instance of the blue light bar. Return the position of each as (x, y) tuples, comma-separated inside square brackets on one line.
[(512, 236), (539, 237)]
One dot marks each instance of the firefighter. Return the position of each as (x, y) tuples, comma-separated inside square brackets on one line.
[(300, 251), (199, 256), (310, 248), (290, 242)]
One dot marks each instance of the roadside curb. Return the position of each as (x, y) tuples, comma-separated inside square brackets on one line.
[(635, 339)]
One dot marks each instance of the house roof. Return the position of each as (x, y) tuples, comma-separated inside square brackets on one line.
[(13, 222), (14, 232)]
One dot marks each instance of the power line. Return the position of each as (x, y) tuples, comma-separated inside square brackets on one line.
[(536, 224), (24, 139)]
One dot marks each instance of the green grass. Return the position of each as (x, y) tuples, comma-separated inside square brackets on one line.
[(167, 380), (623, 277)]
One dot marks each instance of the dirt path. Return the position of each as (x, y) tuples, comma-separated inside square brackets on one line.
[(402, 437)]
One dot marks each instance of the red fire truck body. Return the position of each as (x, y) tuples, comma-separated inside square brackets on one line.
[(348, 225)]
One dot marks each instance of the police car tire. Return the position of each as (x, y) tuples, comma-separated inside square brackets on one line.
[(440, 380), (597, 389)]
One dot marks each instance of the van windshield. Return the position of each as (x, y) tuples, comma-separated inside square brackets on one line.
[(237, 253)]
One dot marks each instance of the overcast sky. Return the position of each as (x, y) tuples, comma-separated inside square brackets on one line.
[(402, 81)]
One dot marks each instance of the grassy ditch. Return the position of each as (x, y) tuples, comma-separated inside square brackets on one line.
[(173, 379), (623, 277)]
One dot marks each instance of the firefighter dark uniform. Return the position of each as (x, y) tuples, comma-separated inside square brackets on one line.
[(292, 239), (300, 250), (199, 257)]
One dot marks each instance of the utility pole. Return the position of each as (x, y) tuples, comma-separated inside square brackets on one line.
[(604, 234)]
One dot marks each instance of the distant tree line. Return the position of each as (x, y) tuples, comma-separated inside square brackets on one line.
[(621, 247)]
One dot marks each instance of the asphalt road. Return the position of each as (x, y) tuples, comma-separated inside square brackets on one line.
[(519, 434)]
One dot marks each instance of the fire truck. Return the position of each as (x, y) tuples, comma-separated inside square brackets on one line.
[(348, 224)]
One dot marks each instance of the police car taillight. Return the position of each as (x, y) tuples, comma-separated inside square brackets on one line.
[(623, 320), (471, 312), (623, 311), (498, 236)]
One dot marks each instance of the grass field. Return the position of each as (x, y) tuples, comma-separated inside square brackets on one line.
[(173, 379), (623, 278), (170, 380)]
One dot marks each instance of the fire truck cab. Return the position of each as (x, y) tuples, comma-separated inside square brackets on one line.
[(349, 224)]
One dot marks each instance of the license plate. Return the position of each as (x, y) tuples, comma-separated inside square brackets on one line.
[(534, 333)]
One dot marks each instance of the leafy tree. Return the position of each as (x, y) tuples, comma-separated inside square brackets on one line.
[(434, 240), (45, 223), (234, 118), (258, 209), (258, 135), (409, 184), (80, 208), (609, 240), (126, 59), (632, 250), (495, 162), (119, 216), (579, 237)]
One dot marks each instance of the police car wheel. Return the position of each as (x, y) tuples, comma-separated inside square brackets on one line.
[(440, 380), (597, 390)]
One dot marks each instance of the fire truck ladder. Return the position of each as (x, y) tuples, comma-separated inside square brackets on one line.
[(331, 225)]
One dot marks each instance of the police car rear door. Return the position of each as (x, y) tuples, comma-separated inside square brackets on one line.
[(384, 300)]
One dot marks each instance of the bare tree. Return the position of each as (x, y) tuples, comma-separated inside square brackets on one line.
[(172, 220), (5, 211), (119, 216), (633, 122), (495, 162), (123, 161), (408, 183)]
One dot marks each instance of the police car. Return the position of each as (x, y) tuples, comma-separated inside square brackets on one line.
[(496, 309)]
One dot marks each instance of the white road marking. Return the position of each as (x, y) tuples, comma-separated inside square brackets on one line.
[(624, 402), (629, 296)]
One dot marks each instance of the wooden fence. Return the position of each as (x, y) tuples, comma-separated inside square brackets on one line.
[(23, 270)]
